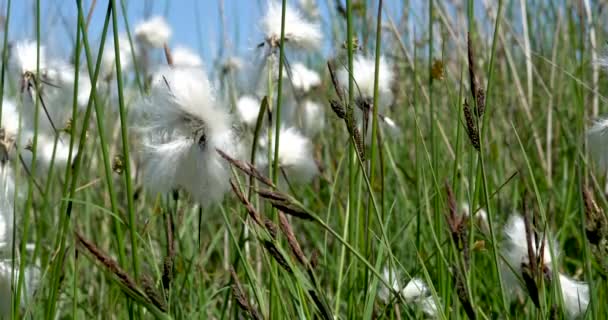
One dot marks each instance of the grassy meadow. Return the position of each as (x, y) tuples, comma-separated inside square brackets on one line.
[(353, 162)]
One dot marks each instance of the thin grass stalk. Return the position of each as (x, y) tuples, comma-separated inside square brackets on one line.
[(277, 113), (375, 133), (485, 187), (125, 145), (66, 206), (133, 55), (31, 178), (4, 54)]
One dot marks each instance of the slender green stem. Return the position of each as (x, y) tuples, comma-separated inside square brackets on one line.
[(125, 144)]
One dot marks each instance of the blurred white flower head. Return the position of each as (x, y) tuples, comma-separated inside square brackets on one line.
[(55, 83), (248, 108), (515, 250), (154, 32), (7, 195), (312, 117), (304, 79), (597, 137), (31, 280), (108, 59), (181, 126), (185, 57), (44, 152), (364, 69), (295, 155), (299, 32), (414, 292), (575, 294)]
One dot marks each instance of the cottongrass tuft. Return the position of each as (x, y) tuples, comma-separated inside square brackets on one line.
[(154, 32), (312, 118), (248, 108), (304, 79), (363, 74), (299, 32), (415, 292), (515, 251), (575, 294), (295, 155), (597, 137), (185, 57), (182, 125)]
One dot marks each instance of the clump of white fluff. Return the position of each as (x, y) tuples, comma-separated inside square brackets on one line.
[(515, 251), (185, 57), (44, 151), (575, 295), (32, 279), (181, 126), (312, 117), (108, 59), (154, 32), (415, 292), (7, 194), (304, 79), (295, 155), (364, 69), (299, 32), (56, 82), (597, 137), (248, 108)]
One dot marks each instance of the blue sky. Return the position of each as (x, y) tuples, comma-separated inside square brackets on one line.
[(195, 23)]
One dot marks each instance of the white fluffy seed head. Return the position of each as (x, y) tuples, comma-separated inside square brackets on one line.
[(31, 281), (312, 118), (108, 59), (414, 289), (299, 32), (25, 57), (181, 127), (185, 57), (7, 195), (575, 294), (363, 74), (515, 250), (295, 155), (44, 152), (248, 108), (10, 118), (154, 32), (415, 292), (597, 137), (304, 79)]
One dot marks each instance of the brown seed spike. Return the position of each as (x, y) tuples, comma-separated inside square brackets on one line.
[(471, 126), (291, 239)]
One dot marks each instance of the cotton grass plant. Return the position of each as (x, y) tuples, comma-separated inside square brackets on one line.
[(355, 160)]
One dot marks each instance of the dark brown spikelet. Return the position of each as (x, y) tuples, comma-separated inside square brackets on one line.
[(457, 225), (529, 280), (271, 227), (596, 231), (167, 276), (108, 262), (359, 144), (461, 291), (283, 203), (148, 286), (291, 240), (321, 305), (272, 249), (314, 259), (471, 126), (241, 298), (246, 168), (338, 108), (476, 91), (168, 55), (335, 82), (254, 214)]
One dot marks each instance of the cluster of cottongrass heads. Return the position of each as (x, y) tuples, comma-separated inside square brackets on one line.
[(187, 125)]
